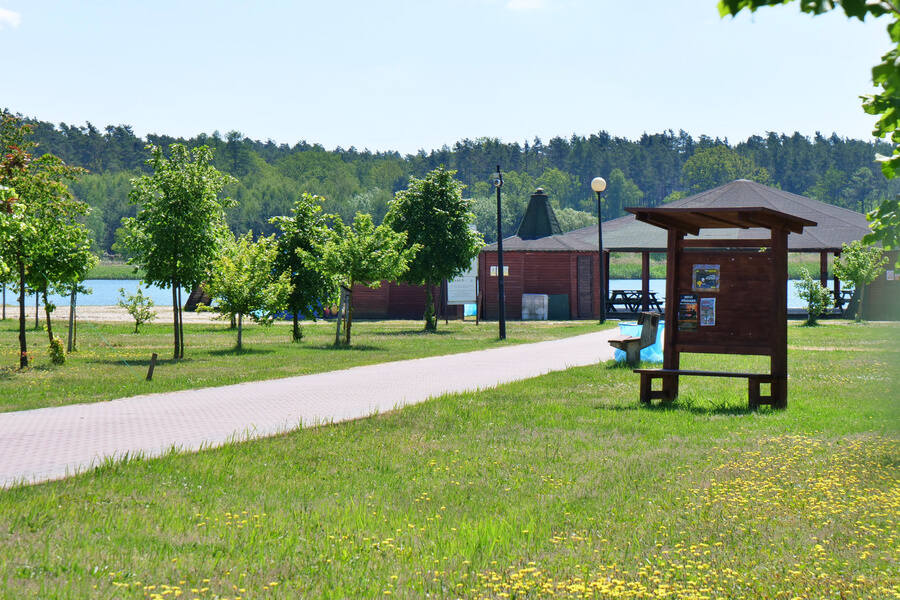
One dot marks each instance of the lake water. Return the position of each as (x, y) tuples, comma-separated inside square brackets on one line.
[(106, 292)]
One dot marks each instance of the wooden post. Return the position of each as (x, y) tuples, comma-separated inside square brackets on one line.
[(823, 268), (340, 317), (837, 282), (671, 358), (152, 366), (779, 368), (645, 280), (605, 276), (477, 301)]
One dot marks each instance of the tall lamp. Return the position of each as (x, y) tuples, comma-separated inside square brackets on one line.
[(598, 184), (501, 296)]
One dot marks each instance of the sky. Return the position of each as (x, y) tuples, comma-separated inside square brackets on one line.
[(418, 74)]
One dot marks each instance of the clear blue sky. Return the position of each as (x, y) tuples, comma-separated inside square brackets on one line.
[(410, 74)]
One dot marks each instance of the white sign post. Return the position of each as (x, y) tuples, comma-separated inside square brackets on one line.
[(461, 290)]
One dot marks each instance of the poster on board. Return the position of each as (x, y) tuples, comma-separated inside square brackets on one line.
[(688, 312), (707, 312), (705, 278)]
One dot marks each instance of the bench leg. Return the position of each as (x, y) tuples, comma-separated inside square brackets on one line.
[(753, 392), (646, 387), (632, 354), (779, 392), (670, 387)]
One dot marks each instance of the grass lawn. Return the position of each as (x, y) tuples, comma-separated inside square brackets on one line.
[(111, 362), (114, 270), (562, 485)]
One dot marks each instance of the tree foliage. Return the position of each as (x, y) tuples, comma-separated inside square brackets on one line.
[(718, 165), (273, 175), (42, 240), (819, 299), (242, 281), (436, 219), (859, 265), (300, 234), (180, 222), (366, 254), (139, 306)]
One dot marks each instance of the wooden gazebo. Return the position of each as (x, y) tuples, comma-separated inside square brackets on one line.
[(724, 296)]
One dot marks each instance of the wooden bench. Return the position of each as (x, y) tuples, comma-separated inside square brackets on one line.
[(633, 345), (753, 383)]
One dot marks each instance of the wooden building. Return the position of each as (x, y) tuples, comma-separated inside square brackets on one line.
[(545, 261)]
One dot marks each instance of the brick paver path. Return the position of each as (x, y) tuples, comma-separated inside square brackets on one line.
[(51, 443)]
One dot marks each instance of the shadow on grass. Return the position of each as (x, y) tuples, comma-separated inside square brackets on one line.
[(137, 362), (240, 351), (359, 347), (412, 332)]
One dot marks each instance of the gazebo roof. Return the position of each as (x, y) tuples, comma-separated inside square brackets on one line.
[(692, 220), (834, 225)]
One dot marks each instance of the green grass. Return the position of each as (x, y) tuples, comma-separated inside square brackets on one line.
[(111, 362), (561, 484), (111, 270)]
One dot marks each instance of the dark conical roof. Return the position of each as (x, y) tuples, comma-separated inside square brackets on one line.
[(539, 220)]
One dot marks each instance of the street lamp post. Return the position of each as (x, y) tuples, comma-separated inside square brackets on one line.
[(498, 183), (598, 184)]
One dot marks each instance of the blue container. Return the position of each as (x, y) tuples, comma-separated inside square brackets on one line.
[(652, 353)]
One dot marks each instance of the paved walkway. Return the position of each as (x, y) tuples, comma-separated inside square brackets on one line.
[(52, 443)]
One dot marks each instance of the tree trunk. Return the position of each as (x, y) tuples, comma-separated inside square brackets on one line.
[(233, 323), (859, 305), (297, 333), (175, 318), (349, 318), (240, 327), (75, 322), (23, 345), (37, 311), (47, 311), (71, 320), (4, 301), (180, 325), (430, 315)]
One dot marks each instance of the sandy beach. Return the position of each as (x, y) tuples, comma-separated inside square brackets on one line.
[(109, 314)]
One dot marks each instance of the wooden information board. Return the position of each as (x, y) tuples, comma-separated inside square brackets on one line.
[(724, 295)]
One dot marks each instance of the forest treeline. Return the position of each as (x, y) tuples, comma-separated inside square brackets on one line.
[(648, 171)]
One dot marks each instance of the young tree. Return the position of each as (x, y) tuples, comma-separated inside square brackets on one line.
[(62, 258), (434, 216), (819, 299), (301, 233), (139, 306), (180, 223), (243, 281), (363, 253), (41, 222), (859, 265)]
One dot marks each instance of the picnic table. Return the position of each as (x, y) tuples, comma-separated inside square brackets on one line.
[(842, 302), (632, 300)]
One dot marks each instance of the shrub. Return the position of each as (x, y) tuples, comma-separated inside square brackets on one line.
[(139, 306), (818, 299), (57, 352)]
